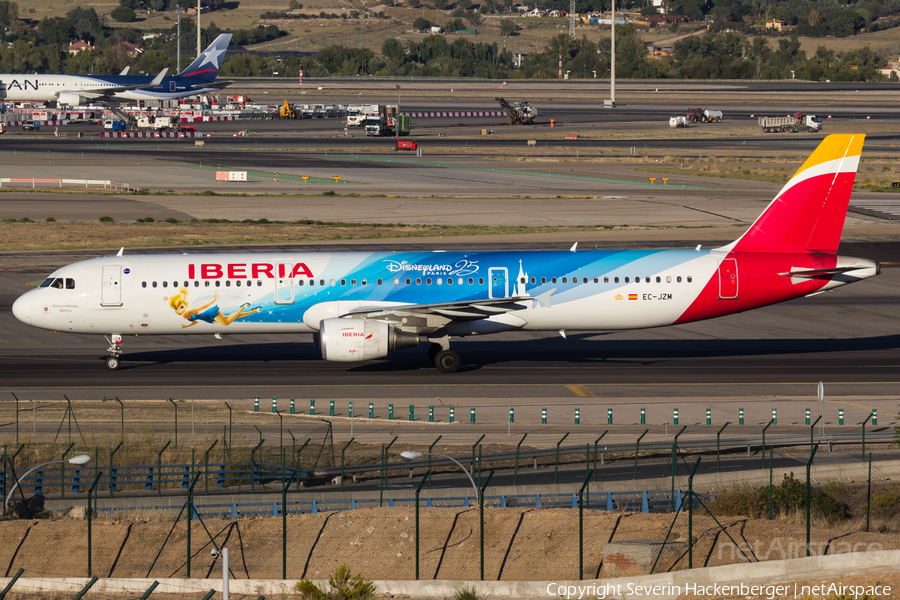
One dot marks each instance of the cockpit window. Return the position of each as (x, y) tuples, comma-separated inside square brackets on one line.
[(57, 283), (70, 284), (46, 282)]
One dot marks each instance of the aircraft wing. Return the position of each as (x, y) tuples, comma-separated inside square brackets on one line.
[(103, 92), (431, 316), (213, 84)]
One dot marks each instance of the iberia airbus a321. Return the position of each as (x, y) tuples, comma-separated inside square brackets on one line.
[(361, 305)]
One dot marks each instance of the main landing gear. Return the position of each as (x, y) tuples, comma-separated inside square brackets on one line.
[(445, 359), (115, 350)]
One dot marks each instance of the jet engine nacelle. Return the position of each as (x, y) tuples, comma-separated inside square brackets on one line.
[(71, 99), (354, 340)]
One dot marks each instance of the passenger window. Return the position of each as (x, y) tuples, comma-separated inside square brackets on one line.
[(205, 283), (596, 280), (626, 280), (428, 281), (658, 279), (196, 284), (584, 280), (228, 283), (332, 283), (533, 281), (471, 281), (606, 280), (668, 279), (218, 283), (440, 281), (174, 284), (322, 282), (481, 281), (647, 280), (522, 280), (459, 281), (678, 279), (364, 282), (418, 281), (343, 282), (238, 283), (690, 279), (564, 280), (616, 280), (553, 280), (300, 282), (143, 284), (449, 281), (166, 283), (408, 281), (543, 280), (187, 283)]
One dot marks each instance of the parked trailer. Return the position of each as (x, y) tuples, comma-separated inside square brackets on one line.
[(792, 124), (712, 116), (678, 122)]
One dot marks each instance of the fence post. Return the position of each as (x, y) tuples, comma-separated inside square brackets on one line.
[(190, 517), (869, 494), (864, 435), (284, 489), (11, 583), (597, 441), (62, 469), (383, 479), (812, 429), (472, 466), (112, 471), (176, 422), (675, 461), (418, 491), (771, 475), (637, 449), (206, 462), (481, 517), (342, 461), (89, 511), (812, 455), (764, 442), (691, 514), (581, 525), (718, 439), (556, 467), (516, 469), (430, 448)]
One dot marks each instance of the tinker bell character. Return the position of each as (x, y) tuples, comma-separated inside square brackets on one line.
[(209, 312)]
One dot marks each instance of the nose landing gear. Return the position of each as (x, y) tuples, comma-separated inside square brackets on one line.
[(115, 350)]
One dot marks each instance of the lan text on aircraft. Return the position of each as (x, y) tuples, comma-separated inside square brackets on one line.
[(359, 306), (73, 90)]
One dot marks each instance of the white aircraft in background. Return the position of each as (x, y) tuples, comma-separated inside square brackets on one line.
[(75, 90), (361, 305)]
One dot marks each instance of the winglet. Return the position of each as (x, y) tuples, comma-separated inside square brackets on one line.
[(121, 251), (572, 249), (158, 79), (544, 299)]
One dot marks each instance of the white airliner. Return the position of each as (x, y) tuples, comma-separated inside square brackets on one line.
[(74, 90), (361, 305)]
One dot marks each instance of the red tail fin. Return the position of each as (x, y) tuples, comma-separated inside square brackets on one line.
[(808, 214)]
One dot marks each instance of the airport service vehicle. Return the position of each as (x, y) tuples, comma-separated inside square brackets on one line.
[(678, 122), (699, 115), (355, 119), (407, 145), (290, 111), (76, 90), (2, 127), (387, 122), (31, 126), (156, 123), (792, 124), (360, 306), (518, 113), (115, 125)]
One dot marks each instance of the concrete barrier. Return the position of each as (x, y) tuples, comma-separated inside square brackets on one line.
[(664, 586)]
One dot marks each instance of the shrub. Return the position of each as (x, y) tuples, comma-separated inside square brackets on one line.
[(787, 497), (25, 220), (343, 587), (466, 594), (50, 220), (123, 14), (106, 219), (885, 500), (330, 193), (171, 220), (149, 219)]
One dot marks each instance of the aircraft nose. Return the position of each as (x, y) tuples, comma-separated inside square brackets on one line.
[(21, 310)]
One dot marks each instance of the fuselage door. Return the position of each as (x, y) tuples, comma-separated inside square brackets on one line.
[(728, 279), (498, 282), (284, 284), (171, 86), (111, 286)]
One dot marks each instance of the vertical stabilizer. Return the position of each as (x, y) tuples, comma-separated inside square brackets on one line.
[(206, 66), (808, 214)]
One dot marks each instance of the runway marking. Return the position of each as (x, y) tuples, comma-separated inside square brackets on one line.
[(849, 404), (581, 391)]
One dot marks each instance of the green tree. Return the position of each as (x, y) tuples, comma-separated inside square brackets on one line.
[(123, 14), (55, 31), (9, 12), (85, 23), (507, 27), (421, 24), (393, 49)]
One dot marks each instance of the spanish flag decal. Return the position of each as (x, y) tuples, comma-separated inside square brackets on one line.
[(632, 296)]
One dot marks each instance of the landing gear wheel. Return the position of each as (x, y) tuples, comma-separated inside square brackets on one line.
[(433, 351), (112, 363), (447, 361)]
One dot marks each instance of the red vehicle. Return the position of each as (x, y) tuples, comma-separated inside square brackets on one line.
[(188, 129), (407, 145)]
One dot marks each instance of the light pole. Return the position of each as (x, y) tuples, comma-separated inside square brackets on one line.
[(409, 455), (80, 460)]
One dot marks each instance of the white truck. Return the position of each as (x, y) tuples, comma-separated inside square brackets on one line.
[(713, 115), (678, 122), (792, 124), (156, 123)]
